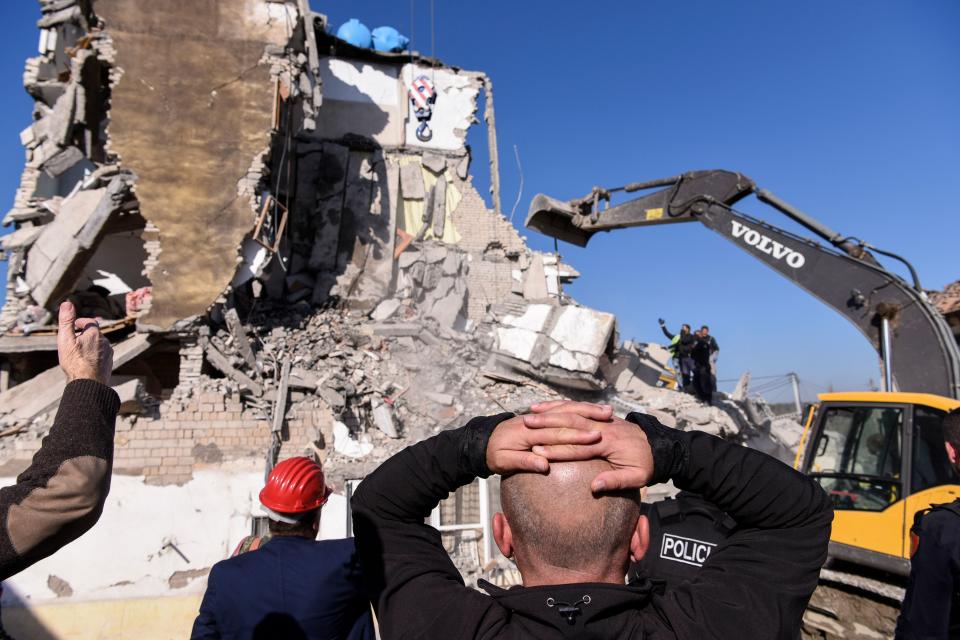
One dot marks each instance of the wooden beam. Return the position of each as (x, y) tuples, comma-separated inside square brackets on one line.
[(222, 364), (280, 406)]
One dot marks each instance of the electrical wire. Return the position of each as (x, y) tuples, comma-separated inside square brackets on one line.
[(516, 153)]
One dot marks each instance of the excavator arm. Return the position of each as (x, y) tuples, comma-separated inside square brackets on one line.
[(913, 339)]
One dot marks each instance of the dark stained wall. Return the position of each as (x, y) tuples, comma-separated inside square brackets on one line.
[(190, 112)]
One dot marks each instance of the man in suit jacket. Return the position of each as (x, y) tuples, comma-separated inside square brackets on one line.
[(292, 587)]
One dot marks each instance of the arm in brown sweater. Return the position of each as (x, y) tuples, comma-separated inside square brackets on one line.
[(61, 495)]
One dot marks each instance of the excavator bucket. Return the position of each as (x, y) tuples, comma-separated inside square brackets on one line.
[(554, 218)]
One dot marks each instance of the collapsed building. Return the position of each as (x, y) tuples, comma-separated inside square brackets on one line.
[(286, 265)]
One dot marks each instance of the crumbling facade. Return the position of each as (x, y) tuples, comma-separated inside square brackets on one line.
[(284, 268)]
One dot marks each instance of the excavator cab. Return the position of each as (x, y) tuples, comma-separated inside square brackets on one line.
[(881, 458)]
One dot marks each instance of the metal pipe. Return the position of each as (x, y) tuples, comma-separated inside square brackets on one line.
[(649, 184), (795, 214), (886, 340), (796, 393), (486, 519)]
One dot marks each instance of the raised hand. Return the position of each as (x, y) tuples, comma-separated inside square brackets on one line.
[(81, 348)]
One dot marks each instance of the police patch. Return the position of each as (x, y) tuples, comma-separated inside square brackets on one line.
[(685, 550)]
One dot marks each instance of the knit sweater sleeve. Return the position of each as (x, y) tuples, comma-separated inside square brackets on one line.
[(62, 493)]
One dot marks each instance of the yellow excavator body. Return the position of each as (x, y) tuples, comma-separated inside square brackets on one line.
[(880, 457)]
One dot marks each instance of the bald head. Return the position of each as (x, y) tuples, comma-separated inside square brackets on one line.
[(557, 520)]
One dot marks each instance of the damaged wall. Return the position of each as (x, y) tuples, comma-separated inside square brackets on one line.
[(190, 112)]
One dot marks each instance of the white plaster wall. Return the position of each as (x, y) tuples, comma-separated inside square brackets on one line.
[(121, 556), (359, 82), (363, 99), (583, 334), (452, 113)]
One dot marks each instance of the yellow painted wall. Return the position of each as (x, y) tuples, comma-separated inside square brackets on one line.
[(168, 618)]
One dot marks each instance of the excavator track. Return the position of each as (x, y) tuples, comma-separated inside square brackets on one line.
[(850, 606)]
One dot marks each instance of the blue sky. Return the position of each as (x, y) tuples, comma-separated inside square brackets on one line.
[(849, 110)]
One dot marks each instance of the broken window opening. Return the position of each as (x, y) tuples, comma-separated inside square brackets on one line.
[(464, 522), (158, 369), (271, 222), (259, 526)]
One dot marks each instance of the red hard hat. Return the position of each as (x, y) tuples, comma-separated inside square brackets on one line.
[(295, 485)]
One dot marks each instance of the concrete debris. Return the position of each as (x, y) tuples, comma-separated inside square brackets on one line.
[(385, 310), (411, 181), (383, 419), (565, 342), (28, 400), (345, 444)]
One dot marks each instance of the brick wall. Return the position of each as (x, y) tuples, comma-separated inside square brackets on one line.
[(209, 429), (495, 247)]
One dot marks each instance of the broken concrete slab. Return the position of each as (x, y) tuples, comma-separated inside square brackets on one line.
[(62, 161), (303, 379), (241, 340), (535, 282), (43, 392), (21, 238), (332, 397), (569, 339), (440, 398), (434, 162), (385, 310), (396, 329), (280, 403), (63, 246), (411, 181), (222, 364), (383, 420), (439, 207)]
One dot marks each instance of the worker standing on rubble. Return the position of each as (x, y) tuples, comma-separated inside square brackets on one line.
[(703, 379), (292, 586), (931, 606), (62, 493), (714, 353), (683, 353), (571, 521)]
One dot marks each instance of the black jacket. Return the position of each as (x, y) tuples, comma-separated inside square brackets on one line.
[(931, 607), (684, 346), (684, 531), (754, 585)]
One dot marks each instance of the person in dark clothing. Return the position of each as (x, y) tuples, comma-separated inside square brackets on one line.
[(61, 494), (702, 376), (684, 531), (756, 584), (931, 606), (714, 353), (683, 352), (292, 587)]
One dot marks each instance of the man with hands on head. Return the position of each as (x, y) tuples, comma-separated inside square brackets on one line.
[(571, 521), (61, 494)]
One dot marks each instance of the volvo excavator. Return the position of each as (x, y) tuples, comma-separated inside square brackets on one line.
[(878, 455)]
